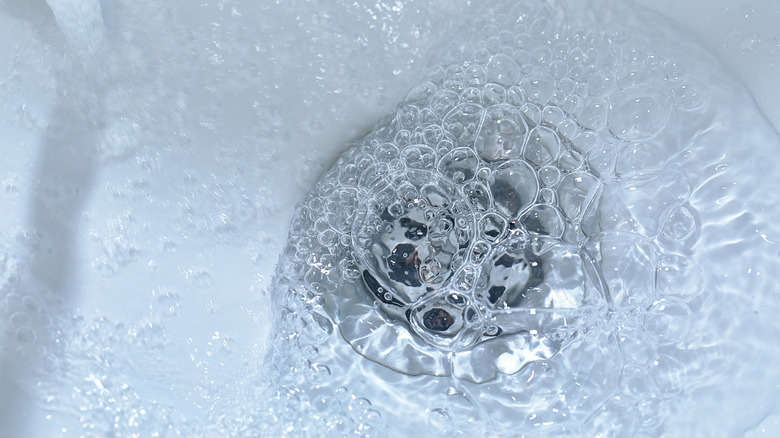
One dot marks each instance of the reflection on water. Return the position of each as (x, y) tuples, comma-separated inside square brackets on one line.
[(565, 227), (521, 238)]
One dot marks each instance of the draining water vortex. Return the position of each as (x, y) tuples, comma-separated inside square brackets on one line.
[(468, 225), (518, 234), (462, 248)]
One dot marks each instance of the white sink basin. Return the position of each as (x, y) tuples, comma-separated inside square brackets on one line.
[(151, 157)]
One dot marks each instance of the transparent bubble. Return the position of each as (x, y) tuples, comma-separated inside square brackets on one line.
[(328, 238), (549, 175), (638, 115), (480, 251), (543, 146), (635, 382), (418, 157), (552, 115), (570, 161), (585, 141), (669, 375), (542, 55), (544, 219), (690, 96), (493, 94), (475, 75), (538, 86), (568, 129), (471, 95), (601, 82), (542, 275), (386, 152), (515, 96), (459, 165), (502, 135), (638, 158), (478, 196), (421, 92), (648, 200), (570, 103), (513, 186), (681, 224), (341, 209), (532, 112), (503, 70), (443, 101), (678, 276), (492, 227), (559, 69), (547, 196), (668, 321), (408, 116), (636, 346), (463, 123), (575, 192), (628, 266), (593, 113)]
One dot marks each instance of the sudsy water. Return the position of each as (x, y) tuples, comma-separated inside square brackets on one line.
[(534, 242), (565, 228)]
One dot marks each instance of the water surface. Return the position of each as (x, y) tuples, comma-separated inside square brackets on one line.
[(585, 242)]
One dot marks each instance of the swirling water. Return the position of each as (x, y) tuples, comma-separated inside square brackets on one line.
[(566, 227), (533, 238)]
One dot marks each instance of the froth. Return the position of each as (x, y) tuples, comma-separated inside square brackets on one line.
[(518, 210)]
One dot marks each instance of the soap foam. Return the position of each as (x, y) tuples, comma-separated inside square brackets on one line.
[(591, 203), (523, 236)]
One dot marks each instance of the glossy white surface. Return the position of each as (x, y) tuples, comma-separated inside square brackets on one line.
[(744, 34)]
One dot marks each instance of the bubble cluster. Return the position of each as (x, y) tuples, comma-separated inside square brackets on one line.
[(565, 228), (519, 199)]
